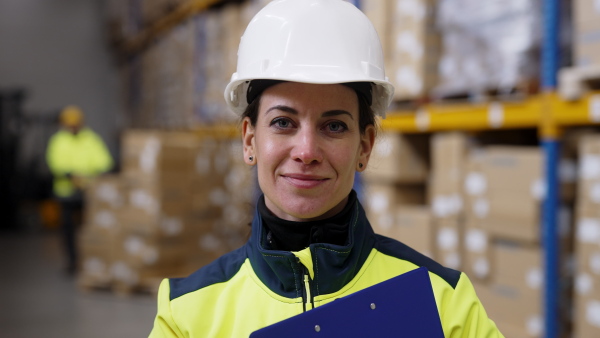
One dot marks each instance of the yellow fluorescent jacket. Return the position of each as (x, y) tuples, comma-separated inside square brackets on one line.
[(252, 287), (84, 154)]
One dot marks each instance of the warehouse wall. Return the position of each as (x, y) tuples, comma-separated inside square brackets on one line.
[(56, 49)]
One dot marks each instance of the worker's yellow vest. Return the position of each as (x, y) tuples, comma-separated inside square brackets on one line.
[(84, 154)]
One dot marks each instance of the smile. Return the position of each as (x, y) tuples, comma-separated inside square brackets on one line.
[(304, 181)]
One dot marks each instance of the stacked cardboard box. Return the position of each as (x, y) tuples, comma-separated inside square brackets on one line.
[(398, 158), (105, 199), (411, 43), (586, 15), (514, 191), (180, 79), (180, 202), (477, 241), (394, 190), (587, 246), (221, 32), (513, 295), (448, 153), (504, 190), (167, 81), (157, 170)]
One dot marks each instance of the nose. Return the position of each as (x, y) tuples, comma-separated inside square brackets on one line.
[(307, 147)]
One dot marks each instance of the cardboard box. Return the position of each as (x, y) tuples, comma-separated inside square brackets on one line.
[(160, 224), (506, 307), (381, 197), (96, 249), (587, 279), (448, 243), (411, 225), (518, 267), (585, 11), (517, 169), (378, 12), (104, 196), (513, 216), (449, 152), (150, 153), (586, 45), (477, 252), (398, 158), (415, 48), (587, 317)]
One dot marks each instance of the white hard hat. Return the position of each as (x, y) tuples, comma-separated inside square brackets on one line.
[(310, 41)]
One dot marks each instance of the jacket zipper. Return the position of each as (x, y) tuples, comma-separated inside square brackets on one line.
[(309, 302)]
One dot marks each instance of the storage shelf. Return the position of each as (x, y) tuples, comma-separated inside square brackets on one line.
[(530, 113)]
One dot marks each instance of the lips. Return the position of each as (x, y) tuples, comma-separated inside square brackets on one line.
[(303, 181)]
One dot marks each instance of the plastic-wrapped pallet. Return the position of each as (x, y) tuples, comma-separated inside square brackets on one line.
[(488, 45)]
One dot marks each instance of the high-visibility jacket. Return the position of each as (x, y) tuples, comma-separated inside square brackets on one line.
[(83, 154), (252, 287)]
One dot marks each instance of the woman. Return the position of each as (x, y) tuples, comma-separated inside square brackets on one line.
[(308, 85)]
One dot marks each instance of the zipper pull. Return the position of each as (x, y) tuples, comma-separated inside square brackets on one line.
[(309, 304)]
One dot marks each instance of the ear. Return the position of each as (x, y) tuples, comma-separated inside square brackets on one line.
[(248, 141), (367, 141)]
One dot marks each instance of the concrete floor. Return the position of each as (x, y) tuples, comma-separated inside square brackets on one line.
[(37, 299)]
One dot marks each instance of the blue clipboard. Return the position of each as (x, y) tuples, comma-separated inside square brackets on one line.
[(403, 306)]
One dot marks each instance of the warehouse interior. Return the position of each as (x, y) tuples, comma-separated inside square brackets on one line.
[(488, 160)]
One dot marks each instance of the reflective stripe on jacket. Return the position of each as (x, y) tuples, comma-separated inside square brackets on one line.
[(252, 287), (84, 154)]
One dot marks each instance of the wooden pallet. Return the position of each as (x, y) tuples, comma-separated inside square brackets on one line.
[(574, 82)]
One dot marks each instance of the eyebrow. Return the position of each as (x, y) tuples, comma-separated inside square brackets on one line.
[(293, 111)]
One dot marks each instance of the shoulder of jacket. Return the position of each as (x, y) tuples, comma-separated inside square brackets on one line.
[(219, 271), (397, 249)]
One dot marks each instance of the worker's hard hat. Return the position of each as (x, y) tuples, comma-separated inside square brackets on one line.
[(71, 116), (310, 41)]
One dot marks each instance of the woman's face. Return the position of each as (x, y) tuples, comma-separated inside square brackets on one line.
[(307, 146)]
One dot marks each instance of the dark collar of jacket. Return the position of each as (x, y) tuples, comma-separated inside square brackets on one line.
[(334, 265)]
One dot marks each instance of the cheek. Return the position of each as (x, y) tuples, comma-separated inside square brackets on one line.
[(344, 157), (269, 151)]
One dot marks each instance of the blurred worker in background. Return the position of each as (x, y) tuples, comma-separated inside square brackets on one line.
[(75, 155)]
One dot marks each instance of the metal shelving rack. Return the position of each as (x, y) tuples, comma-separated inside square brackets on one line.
[(547, 112)]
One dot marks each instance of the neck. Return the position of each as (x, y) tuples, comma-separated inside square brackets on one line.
[(294, 236)]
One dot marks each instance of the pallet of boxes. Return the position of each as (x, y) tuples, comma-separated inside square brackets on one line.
[(587, 245), (394, 193), (503, 255), (180, 202)]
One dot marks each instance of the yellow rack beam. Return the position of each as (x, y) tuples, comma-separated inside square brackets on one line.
[(494, 115), (585, 111), (548, 112), (174, 18)]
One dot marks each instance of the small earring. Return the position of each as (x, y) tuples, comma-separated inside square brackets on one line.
[(251, 158), (360, 165)]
